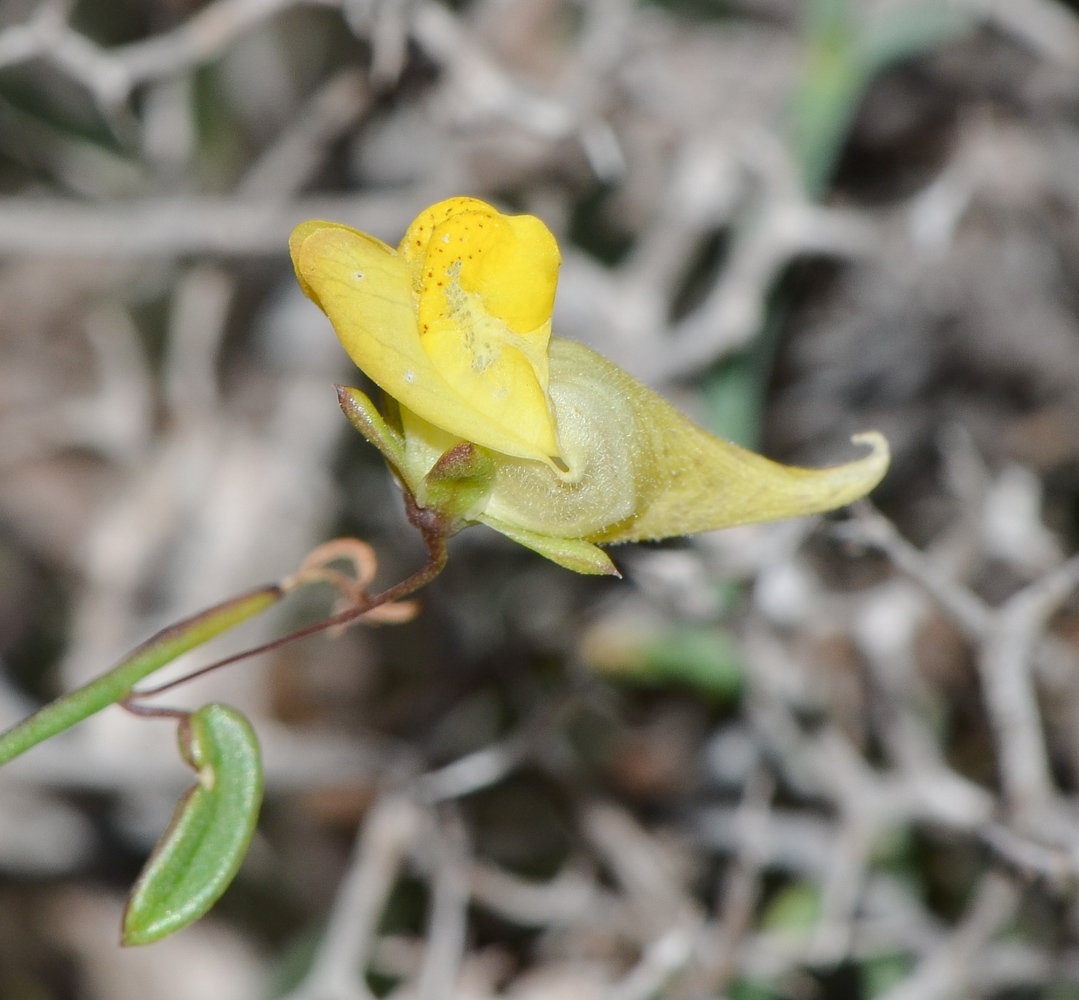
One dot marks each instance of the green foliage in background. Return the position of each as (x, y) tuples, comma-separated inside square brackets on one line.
[(844, 49)]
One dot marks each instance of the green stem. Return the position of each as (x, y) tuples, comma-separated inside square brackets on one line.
[(118, 683)]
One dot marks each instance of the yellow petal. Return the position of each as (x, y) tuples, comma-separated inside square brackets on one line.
[(510, 261), (513, 267), (366, 289), (486, 289), (495, 377), (413, 246), (639, 469)]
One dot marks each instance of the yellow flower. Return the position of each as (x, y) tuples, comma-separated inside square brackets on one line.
[(454, 325), (490, 419)]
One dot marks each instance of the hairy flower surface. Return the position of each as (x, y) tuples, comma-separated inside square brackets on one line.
[(491, 419)]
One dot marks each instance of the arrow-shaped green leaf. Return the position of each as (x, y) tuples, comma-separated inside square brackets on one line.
[(201, 851)]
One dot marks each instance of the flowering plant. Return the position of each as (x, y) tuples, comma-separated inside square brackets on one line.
[(488, 419), (491, 419)]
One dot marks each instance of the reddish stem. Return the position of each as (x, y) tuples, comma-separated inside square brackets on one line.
[(152, 711), (434, 531)]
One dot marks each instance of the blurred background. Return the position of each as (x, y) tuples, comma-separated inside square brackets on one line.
[(831, 758)]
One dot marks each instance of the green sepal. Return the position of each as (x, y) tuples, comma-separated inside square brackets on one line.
[(211, 829), (364, 416), (458, 482), (571, 553)]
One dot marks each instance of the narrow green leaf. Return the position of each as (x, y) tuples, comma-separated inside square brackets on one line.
[(910, 29), (845, 47), (118, 683), (201, 851)]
